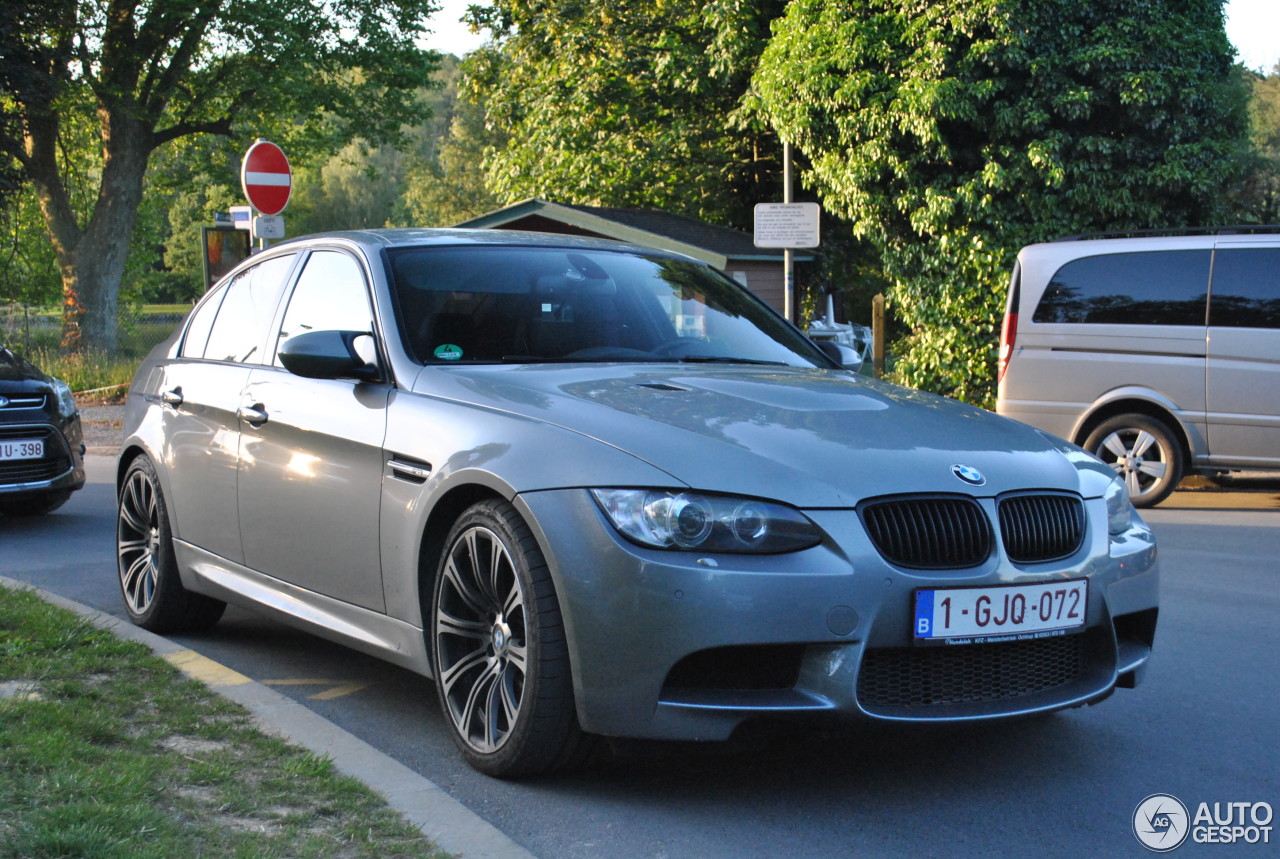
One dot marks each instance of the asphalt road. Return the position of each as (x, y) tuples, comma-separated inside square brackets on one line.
[(1203, 727)]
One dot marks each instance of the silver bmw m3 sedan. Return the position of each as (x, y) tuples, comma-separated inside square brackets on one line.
[(594, 489)]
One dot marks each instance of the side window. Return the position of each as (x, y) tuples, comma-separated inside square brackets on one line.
[(247, 311), (201, 323), (1150, 288), (330, 296), (1246, 288)]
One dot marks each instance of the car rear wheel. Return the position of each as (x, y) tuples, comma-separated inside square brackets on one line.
[(499, 653), (154, 596), (1143, 452)]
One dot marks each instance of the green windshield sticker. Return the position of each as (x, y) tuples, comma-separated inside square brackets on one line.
[(448, 352)]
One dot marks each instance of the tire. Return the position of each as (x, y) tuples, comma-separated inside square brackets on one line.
[(1143, 452), (154, 596), (35, 504), (499, 653)]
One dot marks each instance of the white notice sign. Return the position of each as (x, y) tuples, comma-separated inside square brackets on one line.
[(786, 225), (268, 227)]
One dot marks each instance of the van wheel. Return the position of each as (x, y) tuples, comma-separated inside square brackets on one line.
[(1143, 452)]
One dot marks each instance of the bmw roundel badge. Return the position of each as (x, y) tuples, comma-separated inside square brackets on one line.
[(968, 474)]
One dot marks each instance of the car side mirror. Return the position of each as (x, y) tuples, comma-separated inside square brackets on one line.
[(849, 359), (329, 355)]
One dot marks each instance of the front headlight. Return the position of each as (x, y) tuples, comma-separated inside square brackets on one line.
[(691, 521), (1120, 510), (66, 399)]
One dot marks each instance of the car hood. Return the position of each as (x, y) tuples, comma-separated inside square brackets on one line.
[(17, 373), (18, 376), (811, 437)]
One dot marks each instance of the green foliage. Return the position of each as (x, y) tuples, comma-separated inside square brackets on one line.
[(449, 187), (950, 134), (1259, 194), (28, 266), (635, 105), (86, 371), (310, 74)]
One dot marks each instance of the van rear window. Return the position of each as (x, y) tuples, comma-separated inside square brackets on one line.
[(1149, 288), (1246, 288)]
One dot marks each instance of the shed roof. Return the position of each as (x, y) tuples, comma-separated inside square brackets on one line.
[(710, 243)]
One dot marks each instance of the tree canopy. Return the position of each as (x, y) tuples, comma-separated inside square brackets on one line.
[(308, 73), (952, 132), (627, 105)]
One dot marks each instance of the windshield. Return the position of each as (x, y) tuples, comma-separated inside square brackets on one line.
[(496, 304)]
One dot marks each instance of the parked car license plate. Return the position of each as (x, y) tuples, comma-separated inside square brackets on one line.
[(1016, 611), (21, 448)]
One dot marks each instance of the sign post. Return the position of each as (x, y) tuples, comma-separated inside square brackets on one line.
[(267, 180), (787, 225)]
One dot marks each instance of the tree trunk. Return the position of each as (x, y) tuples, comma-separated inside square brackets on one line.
[(91, 258)]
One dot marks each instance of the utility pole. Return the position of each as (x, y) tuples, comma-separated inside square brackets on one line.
[(788, 262)]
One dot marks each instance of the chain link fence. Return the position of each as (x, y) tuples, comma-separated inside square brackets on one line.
[(37, 332), (34, 330)]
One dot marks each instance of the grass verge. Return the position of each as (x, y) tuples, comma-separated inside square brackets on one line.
[(107, 750)]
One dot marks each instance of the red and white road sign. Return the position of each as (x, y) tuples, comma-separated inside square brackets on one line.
[(266, 178)]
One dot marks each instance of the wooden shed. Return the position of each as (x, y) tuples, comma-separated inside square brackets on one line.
[(731, 251)]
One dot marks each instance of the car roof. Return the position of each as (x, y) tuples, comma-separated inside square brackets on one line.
[(406, 237)]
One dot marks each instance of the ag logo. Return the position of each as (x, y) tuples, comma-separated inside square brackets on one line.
[(968, 474), (4, 401), (1161, 823)]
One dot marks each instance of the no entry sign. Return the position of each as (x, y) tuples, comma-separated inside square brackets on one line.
[(266, 178)]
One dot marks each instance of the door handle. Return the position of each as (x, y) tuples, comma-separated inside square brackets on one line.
[(252, 414), (172, 398)]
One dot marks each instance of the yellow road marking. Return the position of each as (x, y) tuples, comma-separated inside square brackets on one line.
[(205, 670), (339, 688)]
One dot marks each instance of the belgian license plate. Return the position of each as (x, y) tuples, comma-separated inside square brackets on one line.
[(1003, 612), (21, 448)]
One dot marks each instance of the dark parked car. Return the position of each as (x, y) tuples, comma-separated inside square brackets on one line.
[(41, 454), (597, 489)]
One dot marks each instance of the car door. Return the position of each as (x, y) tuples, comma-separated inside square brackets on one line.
[(201, 393), (1243, 380), (311, 451)]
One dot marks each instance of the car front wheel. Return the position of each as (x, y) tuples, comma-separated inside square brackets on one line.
[(1143, 452), (154, 596), (500, 657)]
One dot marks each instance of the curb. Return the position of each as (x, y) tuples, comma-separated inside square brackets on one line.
[(449, 823)]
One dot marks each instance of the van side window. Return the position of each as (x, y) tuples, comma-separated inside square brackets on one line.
[(1151, 288), (1246, 288)]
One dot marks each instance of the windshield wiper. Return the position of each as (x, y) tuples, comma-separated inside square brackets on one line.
[(564, 359), (725, 359)]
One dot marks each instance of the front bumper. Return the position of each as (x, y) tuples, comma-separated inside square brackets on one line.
[(680, 645), (61, 467)]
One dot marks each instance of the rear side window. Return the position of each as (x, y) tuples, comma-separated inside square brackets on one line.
[(247, 311), (201, 323), (1246, 288), (1153, 288)]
